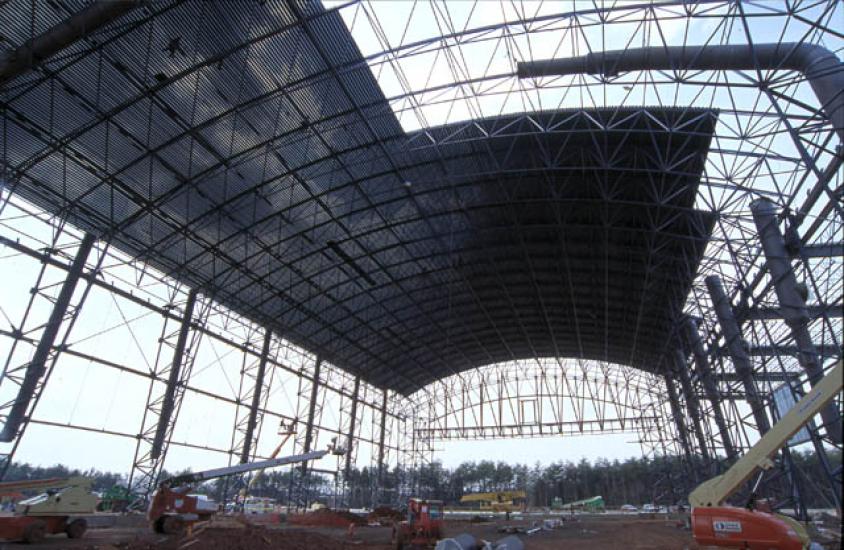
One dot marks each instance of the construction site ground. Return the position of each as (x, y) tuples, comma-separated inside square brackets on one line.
[(605, 532)]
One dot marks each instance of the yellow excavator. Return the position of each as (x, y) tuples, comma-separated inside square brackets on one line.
[(714, 523)]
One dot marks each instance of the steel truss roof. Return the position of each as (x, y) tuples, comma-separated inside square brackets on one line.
[(252, 153)]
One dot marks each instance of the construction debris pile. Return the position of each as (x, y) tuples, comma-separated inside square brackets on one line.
[(384, 515), (325, 517)]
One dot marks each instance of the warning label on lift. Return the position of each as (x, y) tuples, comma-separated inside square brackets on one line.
[(726, 526)]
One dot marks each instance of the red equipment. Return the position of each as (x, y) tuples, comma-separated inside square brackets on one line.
[(33, 529), (742, 528), (60, 509), (715, 523), (423, 527), (172, 508)]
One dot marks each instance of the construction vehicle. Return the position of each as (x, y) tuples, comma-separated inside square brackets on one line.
[(499, 501), (593, 504), (61, 508), (283, 430), (171, 508), (716, 524), (116, 499), (423, 526)]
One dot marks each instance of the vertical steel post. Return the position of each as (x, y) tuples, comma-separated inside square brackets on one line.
[(737, 349), (309, 427), (38, 365), (168, 400), (677, 413), (692, 403), (792, 304), (381, 436), (256, 398), (350, 436), (704, 372)]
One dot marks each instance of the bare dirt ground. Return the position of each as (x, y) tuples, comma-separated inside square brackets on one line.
[(617, 533), (607, 534), (587, 532)]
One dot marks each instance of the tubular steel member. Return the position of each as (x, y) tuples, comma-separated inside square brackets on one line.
[(256, 397), (792, 304), (692, 403), (704, 372), (381, 436), (168, 401), (34, 51), (738, 351), (677, 413), (350, 436), (304, 492), (820, 66), (37, 366)]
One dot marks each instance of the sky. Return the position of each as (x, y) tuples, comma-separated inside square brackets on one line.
[(106, 399)]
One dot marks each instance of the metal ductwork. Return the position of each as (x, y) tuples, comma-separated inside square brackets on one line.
[(821, 67), (31, 53)]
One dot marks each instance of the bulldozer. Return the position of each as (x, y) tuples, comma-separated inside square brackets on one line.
[(423, 526)]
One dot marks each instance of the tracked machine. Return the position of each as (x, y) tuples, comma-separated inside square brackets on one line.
[(714, 523)]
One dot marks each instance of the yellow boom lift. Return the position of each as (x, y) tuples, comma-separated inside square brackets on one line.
[(61, 508), (716, 524)]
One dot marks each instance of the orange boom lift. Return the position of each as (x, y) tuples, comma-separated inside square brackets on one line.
[(716, 524)]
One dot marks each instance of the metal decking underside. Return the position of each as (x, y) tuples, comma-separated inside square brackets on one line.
[(289, 192)]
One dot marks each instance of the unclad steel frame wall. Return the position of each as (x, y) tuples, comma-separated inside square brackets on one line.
[(250, 192)]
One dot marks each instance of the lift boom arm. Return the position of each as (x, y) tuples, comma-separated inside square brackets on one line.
[(715, 491), (240, 468), (50, 483)]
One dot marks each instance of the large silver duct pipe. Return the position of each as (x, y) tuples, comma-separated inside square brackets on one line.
[(821, 67), (792, 303), (32, 52)]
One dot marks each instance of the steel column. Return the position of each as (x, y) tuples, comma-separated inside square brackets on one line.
[(169, 399), (738, 351), (792, 304), (350, 437), (692, 404), (381, 436), (38, 365), (677, 413), (309, 427), (256, 398), (704, 372)]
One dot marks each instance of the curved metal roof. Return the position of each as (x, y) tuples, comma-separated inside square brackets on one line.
[(252, 154)]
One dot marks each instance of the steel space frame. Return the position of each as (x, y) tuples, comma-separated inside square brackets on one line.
[(773, 141)]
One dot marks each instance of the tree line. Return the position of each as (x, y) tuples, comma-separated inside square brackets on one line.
[(664, 480)]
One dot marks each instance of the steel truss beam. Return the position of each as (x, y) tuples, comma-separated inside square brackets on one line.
[(161, 413), (17, 413), (704, 375), (692, 405)]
